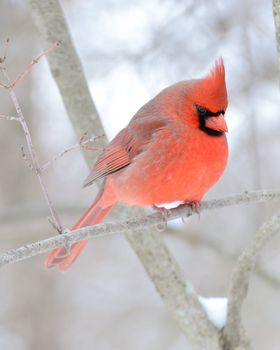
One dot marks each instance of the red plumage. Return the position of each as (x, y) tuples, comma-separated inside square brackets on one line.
[(173, 149)]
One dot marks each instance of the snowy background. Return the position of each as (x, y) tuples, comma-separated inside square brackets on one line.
[(130, 50)]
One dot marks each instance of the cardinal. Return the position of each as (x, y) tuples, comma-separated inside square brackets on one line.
[(174, 149)]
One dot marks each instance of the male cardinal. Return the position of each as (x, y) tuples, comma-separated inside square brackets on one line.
[(173, 150)]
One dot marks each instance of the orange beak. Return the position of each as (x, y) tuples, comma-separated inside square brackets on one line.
[(217, 123)]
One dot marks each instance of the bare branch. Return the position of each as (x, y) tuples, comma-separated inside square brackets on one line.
[(32, 152), (5, 53), (177, 306), (32, 63), (24, 156), (9, 117), (82, 144), (105, 229), (3, 85), (28, 68), (234, 334), (276, 15)]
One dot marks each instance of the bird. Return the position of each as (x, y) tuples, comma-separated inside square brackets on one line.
[(174, 149)]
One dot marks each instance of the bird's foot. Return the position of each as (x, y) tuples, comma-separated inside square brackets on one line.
[(162, 210), (195, 206)]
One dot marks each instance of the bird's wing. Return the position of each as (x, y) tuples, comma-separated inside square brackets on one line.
[(129, 142)]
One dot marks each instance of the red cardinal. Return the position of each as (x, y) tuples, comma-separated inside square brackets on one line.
[(173, 149)]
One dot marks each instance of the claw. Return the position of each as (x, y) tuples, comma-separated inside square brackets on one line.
[(162, 210), (195, 208)]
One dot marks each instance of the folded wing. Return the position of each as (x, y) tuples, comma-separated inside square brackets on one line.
[(130, 142)]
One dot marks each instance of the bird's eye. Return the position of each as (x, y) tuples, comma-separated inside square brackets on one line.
[(201, 110)]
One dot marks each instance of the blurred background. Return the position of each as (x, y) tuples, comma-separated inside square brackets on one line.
[(130, 50)]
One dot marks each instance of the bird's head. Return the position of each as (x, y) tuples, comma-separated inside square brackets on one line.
[(205, 102)]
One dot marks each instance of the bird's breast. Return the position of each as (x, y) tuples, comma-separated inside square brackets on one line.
[(175, 167)]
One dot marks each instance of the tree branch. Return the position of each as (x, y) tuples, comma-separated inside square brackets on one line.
[(82, 144), (12, 84), (71, 237), (276, 15), (8, 117), (5, 52), (234, 334), (35, 162)]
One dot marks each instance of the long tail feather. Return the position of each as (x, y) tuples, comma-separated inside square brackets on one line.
[(94, 215)]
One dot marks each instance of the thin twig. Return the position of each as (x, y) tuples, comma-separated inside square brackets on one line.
[(81, 144), (20, 118), (240, 280), (276, 15), (9, 117), (32, 63), (5, 53), (32, 249), (32, 152), (28, 68), (24, 156)]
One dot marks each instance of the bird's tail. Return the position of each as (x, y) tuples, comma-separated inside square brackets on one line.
[(94, 215)]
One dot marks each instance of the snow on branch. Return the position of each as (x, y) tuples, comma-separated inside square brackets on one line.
[(216, 309)]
